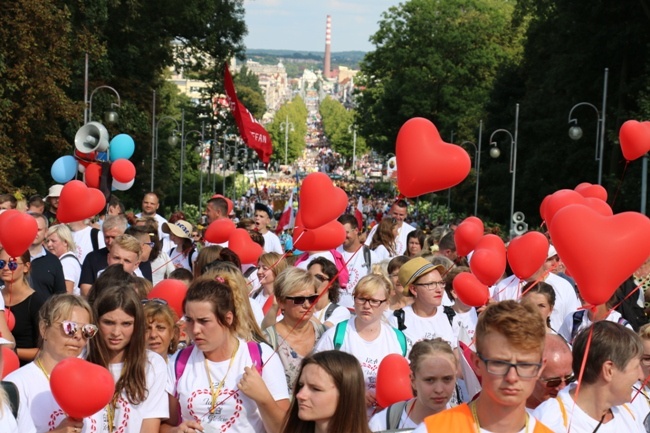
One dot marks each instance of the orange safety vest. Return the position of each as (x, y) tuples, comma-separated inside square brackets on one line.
[(459, 419)]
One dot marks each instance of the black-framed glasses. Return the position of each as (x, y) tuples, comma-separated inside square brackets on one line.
[(554, 382), (501, 368), (13, 264), (321, 278), (160, 301), (432, 285), (71, 328), (374, 303), (300, 300)]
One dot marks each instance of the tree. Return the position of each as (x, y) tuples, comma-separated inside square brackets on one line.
[(435, 60), (295, 112), (338, 124)]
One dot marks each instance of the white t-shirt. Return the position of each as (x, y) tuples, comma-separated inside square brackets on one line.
[(338, 315), (8, 423), (272, 243), (567, 326), (129, 417), (161, 268), (425, 328), (369, 353), (328, 255), (382, 254), (400, 240), (566, 300), (550, 414), (37, 410), (641, 402), (234, 409), (83, 241), (378, 421), (180, 260), (71, 269), (467, 321), (357, 269)]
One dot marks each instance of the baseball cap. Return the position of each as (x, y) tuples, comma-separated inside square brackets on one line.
[(264, 208), (54, 191)]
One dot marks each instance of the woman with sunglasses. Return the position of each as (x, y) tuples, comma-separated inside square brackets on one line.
[(163, 331), (65, 326), (228, 380), (327, 311), (295, 335), (59, 242), (140, 401), (368, 337), (384, 241), (21, 301)]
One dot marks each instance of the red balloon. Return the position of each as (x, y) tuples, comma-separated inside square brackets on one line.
[(527, 253), (11, 361), (5, 215), (599, 206), (426, 163), (123, 170), (320, 201), (565, 197), (10, 318), (393, 380), (600, 252), (172, 291), (635, 139), (242, 244), (92, 175), (489, 259), (323, 238), (219, 230), (586, 189), (467, 235), (470, 290), (81, 388), (78, 202), (17, 233)]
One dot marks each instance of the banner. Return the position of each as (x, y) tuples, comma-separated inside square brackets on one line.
[(251, 131)]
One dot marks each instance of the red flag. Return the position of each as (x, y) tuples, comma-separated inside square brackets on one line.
[(358, 214), (285, 218), (251, 131)]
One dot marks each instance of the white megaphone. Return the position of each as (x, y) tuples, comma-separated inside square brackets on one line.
[(91, 137)]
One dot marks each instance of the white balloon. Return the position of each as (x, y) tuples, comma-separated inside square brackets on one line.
[(120, 186)]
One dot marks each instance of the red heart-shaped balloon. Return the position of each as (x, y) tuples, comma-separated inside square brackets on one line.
[(426, 163), (527, 253), (467, 235), (320, 201), (393, 380), (323, 238), (488, 261), (635, 139), (11, 361), (470, 290), (81, 388), (172, 291), (565, 197), (78, 202), (17, 233), (601, 252), (219, 230), (587, 189), (242, 244)]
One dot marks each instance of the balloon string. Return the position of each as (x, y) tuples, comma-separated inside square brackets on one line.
[(538, 280), (620, 183), (639, 390), (625, 298), (580, 374), (171, 259)]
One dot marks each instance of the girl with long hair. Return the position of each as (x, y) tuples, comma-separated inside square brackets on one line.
[(384, 241)]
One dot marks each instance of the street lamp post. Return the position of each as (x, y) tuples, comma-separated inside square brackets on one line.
[(575, 132), (353, 128), (495, 153), (172, 140), (477, 163), (110, 116), (183, 141), (285, 126)]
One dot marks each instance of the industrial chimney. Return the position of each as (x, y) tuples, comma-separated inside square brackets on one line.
[(328, 54)]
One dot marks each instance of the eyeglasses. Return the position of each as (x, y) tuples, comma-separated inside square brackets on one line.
[(501, 368), (432, 285), (150, 244), (154, 300), (13, 265), (374, 303), (321, 278), (554, 382), (70, 329), (300, 300)]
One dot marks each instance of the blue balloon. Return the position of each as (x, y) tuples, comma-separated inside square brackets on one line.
[(64, 169), (121, 146)]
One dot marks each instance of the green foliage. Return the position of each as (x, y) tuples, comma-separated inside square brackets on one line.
[(338, 125), (290, 124)]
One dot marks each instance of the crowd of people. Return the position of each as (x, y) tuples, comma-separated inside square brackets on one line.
[(294, 342)]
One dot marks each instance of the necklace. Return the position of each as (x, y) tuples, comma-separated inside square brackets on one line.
[(110, 416), (472, 407), (215, 393), (39, 364)]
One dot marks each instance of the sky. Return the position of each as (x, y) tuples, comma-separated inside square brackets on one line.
[(300, 24)]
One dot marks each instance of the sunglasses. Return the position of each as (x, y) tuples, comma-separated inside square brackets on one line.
[(554, 382), (70, 329), (13, 265), (300, 300), (158, 301), (150, 244)]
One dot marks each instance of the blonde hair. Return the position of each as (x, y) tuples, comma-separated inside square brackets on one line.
[(371, 284), (274, 261), (64, 233), (128, 243), (291, 280)]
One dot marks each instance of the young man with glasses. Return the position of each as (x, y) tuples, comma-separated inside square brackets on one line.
[(509, 359), (558, 372), (425, 317)]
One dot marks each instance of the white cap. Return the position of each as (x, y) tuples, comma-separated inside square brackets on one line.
[(54, 191), (551, 252)]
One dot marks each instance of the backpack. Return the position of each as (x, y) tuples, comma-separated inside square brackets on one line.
[(366, 257), (394, 414), (400, 319), (94, 238), (450, 314), (339, 261), (577, 321), (14, 398), (330, 309), (249, 271), (339, 335)]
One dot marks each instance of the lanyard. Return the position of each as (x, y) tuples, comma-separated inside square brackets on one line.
[(215, 393)]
